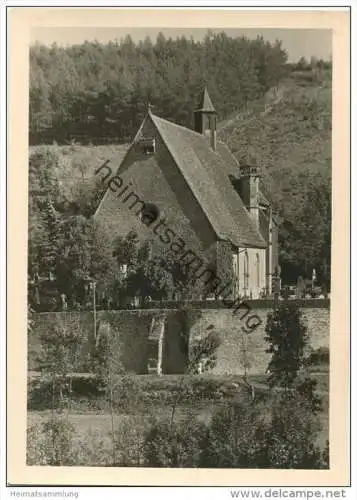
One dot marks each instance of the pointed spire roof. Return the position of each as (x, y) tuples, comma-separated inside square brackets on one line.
[(205, 103)]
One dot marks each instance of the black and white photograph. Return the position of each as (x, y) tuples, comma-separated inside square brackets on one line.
[(179, 282)]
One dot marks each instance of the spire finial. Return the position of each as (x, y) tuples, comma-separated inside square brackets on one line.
[(205, 103)]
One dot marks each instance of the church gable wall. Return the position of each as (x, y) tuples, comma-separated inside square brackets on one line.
[(155, 179)]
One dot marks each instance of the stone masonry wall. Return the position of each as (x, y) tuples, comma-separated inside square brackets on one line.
[(133, 335)]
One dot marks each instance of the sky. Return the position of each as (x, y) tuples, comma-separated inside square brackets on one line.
[(297, 42)]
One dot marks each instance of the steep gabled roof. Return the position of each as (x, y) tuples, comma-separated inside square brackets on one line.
[(204, 171)]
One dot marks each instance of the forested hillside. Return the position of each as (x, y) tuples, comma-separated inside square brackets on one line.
[(288, 134), (271, 112), (98, 93)]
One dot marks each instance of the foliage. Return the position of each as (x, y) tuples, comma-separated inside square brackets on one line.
[(289, 133), (305, 238), (130, 440), (203, 355), (159, 277), (292, 434), (269, 433), (84, 253), (59, 359), (95, 92), (44, 164), (73, 249), (177, 445), (318, 356), (286, 334), (51, 443), (306, 388)]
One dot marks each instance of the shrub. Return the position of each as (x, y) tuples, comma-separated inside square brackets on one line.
[(279, 433), (130, 440), (175, 445), (203, 353), (234, 438), (127, 393), (51, 443), (290, 441), (306, 388), (204, 389), (59, 356), (320, 356), (39, 395), (84, 392)]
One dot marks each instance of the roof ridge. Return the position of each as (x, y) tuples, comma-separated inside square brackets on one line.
[(177, 125)]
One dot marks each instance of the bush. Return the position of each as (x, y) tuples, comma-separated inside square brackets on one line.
[(176, 445), (40, 392), (235, 437), (127, 394), (130, 441), (204, 389), (275, 432), (306, 388), (279, 433), (203, 352), (51, 443), (290, 441), (320, 356)]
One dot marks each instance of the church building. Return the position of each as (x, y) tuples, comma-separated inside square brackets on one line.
[(184, 191)]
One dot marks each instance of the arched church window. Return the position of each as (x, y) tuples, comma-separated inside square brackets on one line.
[(149, 214)]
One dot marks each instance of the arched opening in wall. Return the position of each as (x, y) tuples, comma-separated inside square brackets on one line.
[(149, 214), (246, 273), (258, 269)]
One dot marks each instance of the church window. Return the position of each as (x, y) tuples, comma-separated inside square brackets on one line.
[(149, 214), (258, 269), (212, 122)]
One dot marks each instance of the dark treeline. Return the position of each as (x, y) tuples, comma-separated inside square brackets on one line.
[(98, 93)]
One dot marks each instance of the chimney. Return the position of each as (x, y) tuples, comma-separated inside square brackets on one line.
[(249, 190), (206, 119)]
